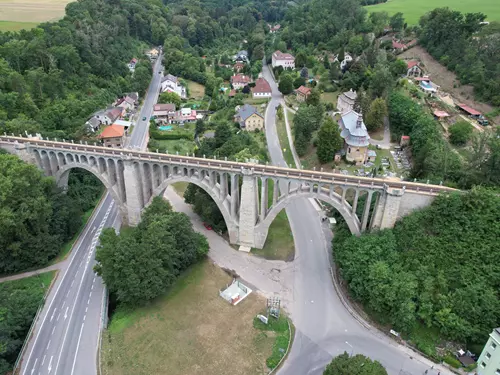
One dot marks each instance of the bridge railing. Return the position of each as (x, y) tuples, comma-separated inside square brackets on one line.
[(268, 171)]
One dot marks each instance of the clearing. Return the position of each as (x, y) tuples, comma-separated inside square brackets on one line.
[(20, 14), (196, 90), (446, 79), (413, 9), (192, 330)]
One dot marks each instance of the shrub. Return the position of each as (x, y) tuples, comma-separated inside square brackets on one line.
[(452, 361), (460, 133)]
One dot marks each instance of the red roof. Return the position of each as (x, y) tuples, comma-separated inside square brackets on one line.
[(405, 137), (303, 90), (262, 86), (411, 64), (398, 45), (232, 92), (164, 107), (421, 79), (239, 65), (469, 110), (112, 131), (278, 55), (240, 78)]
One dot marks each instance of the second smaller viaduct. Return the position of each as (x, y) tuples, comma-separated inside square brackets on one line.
[(249, 196)]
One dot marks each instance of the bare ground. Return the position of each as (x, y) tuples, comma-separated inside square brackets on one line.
[(445, 78)]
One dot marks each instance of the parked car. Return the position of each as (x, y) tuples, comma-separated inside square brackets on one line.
[(207, 226), (144, 118)]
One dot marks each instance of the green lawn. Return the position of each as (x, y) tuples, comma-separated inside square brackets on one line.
[(182, 146), (283, 138), (413, 9), (180, 187), (196, 90), (16, 26), (279, 243), (330, 97)]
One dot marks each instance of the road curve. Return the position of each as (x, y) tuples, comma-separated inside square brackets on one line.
[(324, 328), (65, 336)]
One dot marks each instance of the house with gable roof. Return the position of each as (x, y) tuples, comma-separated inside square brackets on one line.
[(249, 118), (356, 138), (170, 83), (285, 60)]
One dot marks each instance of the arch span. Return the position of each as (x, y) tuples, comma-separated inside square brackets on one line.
[(62, 181), (335, 200), (231, 223)]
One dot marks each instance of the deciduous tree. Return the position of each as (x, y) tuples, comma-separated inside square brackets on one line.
[(329, 141)]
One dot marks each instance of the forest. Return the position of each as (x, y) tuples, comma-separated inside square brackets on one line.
[(438, 268)]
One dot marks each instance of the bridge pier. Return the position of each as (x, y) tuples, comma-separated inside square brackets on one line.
[(387, 208), (133, 193), (248, 211)]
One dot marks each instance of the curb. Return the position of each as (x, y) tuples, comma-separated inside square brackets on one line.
[(287, 349)]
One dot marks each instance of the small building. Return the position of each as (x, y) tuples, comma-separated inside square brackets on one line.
[(356, 137), (108, 116), (405, 140), (262, 89), (93, 124), (414, 69), (249, 118), (285, 60), (347, 59), (153, 53), (371, 156), (239, 81), (345, 101), (126, 124), (468, 110), (238, 67), (275, 28), (426, 85), (113, 136), (235, 293), (133, 96), (170, 83), (398, 46), (488, 362), (241, 56), (164, 112), (125, 103), (131, 65), (440, 115), (232, 93), (184, 116), (302, 93)]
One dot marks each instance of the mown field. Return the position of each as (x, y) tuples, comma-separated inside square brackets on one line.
[(413, 9), (25, 14)]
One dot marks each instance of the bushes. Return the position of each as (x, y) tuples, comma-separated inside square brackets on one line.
[(159, 135), (452, 361), (460, 133)]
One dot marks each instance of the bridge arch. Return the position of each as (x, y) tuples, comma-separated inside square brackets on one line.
[(231, 222), (62, 175), (334, 199)]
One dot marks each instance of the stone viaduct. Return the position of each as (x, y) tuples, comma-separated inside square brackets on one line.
[(249, 196)]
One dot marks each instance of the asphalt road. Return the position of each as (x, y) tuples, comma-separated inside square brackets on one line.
[(324, 328), (65, 338)]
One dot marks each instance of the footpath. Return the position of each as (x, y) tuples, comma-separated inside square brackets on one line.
[(53, 267)]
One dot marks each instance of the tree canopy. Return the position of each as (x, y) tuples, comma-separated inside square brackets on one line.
[(141, 263), (329, 141), (354, 365)]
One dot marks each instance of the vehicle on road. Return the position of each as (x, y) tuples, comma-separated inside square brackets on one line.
[(144, 118), (207, 226)]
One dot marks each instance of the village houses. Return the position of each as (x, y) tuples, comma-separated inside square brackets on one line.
[(164, 112), (262, 89), (170, 83), (414, 69), (249, 118), (286, 60), (356, 137), (131, 65), (302, 93), (238, 67), (239, 81), (113, 136)]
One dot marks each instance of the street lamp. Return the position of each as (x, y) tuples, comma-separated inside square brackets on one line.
[(351, 347)]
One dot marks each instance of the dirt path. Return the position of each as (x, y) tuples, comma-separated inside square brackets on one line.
[(446, 79), (23, 275)]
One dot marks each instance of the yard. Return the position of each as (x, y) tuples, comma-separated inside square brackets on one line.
[(191, 330), (182, 146), (196, 91), (413, 10), (330, 97), (26, 14)]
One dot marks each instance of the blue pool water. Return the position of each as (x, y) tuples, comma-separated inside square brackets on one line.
[(165, 127)]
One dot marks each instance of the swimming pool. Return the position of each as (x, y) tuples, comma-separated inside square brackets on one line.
[(165, 127)]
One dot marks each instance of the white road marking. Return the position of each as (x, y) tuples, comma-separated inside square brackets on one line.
[(53, 329), (33, 369), (66, 313), (88, 301), (90, 295), (93, 281), (86, 309), (50, 363), (43, 361), (92, 287), (84, 317), (58, 316), (77, 347), (52, 317), (72, 282), (48, 345)]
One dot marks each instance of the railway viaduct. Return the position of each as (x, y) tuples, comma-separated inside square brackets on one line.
[(248, 195)]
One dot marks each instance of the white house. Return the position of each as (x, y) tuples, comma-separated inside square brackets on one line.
[(171, 83), (164, 111), (108, 116), (347, 59), (131, 65), (283, 59), (414, 69), (240, 80), (262, 89)]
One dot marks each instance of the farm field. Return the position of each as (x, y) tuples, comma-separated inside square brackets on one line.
[(24, 14), (413, 9)]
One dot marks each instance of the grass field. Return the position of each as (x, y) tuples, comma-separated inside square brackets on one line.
[(196, 91), (176, 145), (191, 330), (413, 9), (25, 14)]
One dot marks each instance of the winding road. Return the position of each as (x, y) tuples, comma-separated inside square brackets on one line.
[(324, 328), (66, 333)]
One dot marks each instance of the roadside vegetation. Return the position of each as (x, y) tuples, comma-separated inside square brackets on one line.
[(359, 364), (19, 302), (192, 330), (434, 276)]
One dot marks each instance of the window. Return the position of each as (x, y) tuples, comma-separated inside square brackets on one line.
[(497, 372), (488, 355), (349, 150), (493, 345), (483, 365)]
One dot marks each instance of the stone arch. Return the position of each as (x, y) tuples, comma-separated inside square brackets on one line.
[(62, 177), (335, 200), (231, 222)]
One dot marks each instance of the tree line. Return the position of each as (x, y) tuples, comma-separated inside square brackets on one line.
[(438, 267)]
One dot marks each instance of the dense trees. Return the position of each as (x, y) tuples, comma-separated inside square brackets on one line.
[(437, 267), (35, 217), (374, 119), (329, 141), (460, 133), (307, 120), (358, 365), (286, 84), (142, 262), (466, 47)]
